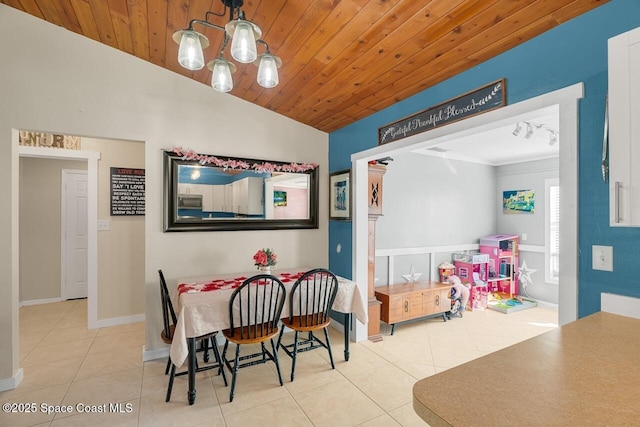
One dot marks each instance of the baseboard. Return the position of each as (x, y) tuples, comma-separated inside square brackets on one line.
[(163, 352), (158, 353), (11, 383), (546, 304), (620, 304), (337, 325), (39, 301), (115, 321)]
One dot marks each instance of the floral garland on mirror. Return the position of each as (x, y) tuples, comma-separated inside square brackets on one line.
[(263, 167)]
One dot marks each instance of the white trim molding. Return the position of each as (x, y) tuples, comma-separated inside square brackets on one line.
[(428, 251), (531, 248), (39, 301), (158, 353), (567, 102), (115, 321), (12, 382), (620, 304)]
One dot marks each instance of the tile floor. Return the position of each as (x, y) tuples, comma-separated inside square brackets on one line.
[(66, 364)]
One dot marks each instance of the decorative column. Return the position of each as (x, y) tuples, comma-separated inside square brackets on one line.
[(376, 171)]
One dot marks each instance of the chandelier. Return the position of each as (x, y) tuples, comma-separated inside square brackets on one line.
[(245, 38)]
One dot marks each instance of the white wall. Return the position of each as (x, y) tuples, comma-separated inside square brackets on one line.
[(437, 201), (430, 201), (525, 176), (57, 81), (529, 176)]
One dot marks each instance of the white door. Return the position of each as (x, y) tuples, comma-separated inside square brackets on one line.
[(74, 234)]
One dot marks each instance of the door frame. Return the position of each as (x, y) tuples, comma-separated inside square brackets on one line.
[(567, 101), (92, 158), (63, 229)]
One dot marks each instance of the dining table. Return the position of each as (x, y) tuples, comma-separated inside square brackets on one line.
[(583, 373), (202, 307)]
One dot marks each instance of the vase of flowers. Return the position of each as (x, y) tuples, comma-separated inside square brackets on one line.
[(264, 259)]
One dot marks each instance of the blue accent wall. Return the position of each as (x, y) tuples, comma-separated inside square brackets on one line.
[(573, 52), (214, 176)]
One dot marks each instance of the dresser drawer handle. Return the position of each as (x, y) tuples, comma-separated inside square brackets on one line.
[(437, 299), (406, 306)]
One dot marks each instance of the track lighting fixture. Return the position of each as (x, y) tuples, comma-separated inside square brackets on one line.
[(531, 129), (529, 133), (517, 130)]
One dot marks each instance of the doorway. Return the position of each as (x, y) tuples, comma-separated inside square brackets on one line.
[(567, 102), (91, 157), (73, 234)]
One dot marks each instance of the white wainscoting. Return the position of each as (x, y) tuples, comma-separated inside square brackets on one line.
[(431, 252)]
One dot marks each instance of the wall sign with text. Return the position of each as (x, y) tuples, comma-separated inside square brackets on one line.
[(478, 101), (127, 191)]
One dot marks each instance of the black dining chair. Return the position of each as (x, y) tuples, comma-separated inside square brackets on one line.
[(254, 312), (170, 320), (310, 301)]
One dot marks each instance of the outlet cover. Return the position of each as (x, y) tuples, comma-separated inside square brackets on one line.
[(602, 258)]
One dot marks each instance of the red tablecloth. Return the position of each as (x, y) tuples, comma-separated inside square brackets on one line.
[(232, 283)]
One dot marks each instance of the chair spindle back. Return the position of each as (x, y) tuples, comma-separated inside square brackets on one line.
[(256, 305), (313, 294), (168, 313)]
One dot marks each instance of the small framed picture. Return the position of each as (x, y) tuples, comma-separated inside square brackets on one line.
[(340, 195), (279, 198)]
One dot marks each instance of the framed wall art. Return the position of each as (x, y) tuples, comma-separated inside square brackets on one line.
[(279, 198), (518, 202), (340, 195)]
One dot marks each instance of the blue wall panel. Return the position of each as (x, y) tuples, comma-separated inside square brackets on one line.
[(574, 52)]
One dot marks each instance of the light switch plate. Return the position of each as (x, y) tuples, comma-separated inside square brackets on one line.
[(602, 257), (104, 224)]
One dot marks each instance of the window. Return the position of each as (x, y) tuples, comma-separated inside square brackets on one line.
[(552, 231)]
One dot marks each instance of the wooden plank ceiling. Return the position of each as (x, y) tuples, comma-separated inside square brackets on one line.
[(343, 60)]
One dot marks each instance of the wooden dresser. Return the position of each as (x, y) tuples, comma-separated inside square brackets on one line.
[(413, 300)]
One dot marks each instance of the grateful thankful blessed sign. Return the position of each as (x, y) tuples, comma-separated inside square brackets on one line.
[(470, 104)]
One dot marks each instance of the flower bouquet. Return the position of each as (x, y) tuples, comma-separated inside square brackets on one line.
[(264, 259)]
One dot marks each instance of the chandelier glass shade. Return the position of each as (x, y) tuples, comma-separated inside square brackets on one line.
[(244, 35), (268, 65), (243, 42), (190, 54), (221, 71)]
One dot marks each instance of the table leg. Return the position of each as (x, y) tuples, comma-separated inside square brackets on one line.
[(191, 394), (347, 333)]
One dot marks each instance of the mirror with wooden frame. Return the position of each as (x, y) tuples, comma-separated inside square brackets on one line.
[(220, 193)]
